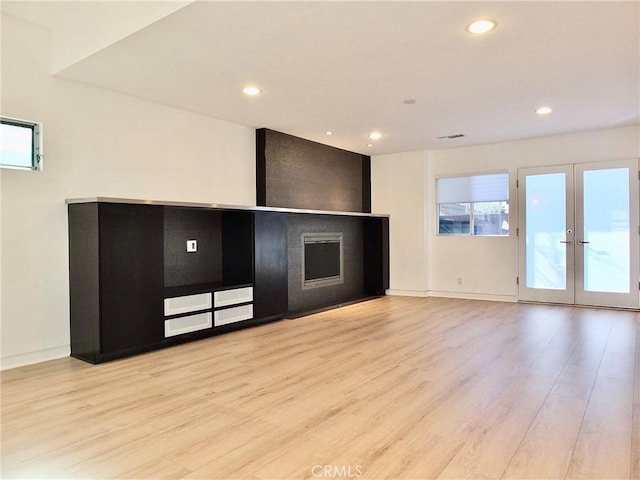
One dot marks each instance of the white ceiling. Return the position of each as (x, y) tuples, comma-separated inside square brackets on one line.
[(348, 66)]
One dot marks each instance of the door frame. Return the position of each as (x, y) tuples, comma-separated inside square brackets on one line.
[(608, 299), (565, 296), (574, 294)]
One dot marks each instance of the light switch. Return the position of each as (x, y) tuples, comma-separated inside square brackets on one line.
[(192, 246)]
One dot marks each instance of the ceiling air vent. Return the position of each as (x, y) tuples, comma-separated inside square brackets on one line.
[(450, 137)]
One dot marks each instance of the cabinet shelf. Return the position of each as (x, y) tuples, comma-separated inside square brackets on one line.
[(201, 288)]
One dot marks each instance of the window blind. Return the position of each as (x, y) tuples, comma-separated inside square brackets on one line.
[(475, 188)]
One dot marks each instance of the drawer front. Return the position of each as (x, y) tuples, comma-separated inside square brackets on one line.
[(232, 315), (186, 304), (190, 323), (234, 296)]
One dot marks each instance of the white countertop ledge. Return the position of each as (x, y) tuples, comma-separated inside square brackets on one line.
[(215, 206)]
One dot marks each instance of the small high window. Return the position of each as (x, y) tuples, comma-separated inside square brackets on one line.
[(20, 144), (473, 205)]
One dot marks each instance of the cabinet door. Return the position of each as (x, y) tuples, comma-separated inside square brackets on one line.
[(271, 298), (131, 265)]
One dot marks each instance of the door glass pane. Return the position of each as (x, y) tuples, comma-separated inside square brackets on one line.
[(546, 215), (606, 228)]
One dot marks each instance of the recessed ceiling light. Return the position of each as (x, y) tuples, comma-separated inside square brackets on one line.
[(543, 110), (481, 26), (329, 132), (369, 145), (375, 135), (251, 91)]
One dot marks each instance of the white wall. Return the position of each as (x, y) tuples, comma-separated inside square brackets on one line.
[(398, 187), (487, 266), (96, 143)]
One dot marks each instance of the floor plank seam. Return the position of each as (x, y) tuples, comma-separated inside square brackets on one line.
[(595, 379)]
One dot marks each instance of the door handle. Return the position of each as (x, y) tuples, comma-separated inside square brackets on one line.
[(582, 242), (566, 241)]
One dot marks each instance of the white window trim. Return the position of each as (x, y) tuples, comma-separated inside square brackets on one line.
[(471, 214)]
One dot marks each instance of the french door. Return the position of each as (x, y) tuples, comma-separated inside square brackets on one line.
[(578, 234)]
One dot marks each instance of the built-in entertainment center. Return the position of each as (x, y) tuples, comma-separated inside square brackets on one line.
[(147, 274)]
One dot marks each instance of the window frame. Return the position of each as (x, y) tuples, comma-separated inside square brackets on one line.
[(36, 143), (471, 205)]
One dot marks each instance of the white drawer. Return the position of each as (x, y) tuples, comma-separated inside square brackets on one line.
[(233, 296), (186, 304), (190, 323), (232, 315)]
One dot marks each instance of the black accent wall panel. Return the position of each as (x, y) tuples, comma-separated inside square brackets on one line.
[(366, 184), (293, 172), (191, 268), (261, 166)]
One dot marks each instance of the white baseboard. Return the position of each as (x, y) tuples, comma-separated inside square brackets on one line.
[(407, 293), (475, 296), (30, 358), (463, 295)]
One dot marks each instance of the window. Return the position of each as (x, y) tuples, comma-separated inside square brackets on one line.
[(20, 144), (473, 205)]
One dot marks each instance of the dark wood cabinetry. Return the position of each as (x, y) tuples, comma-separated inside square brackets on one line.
[(136, 284), (271, 298), (130, 275), (376, 255), (115, 254)]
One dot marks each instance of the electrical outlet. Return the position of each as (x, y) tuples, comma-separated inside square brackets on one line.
[(459, 280), (192, 246)]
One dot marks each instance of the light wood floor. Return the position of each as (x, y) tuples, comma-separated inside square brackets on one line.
[(397, 388)]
